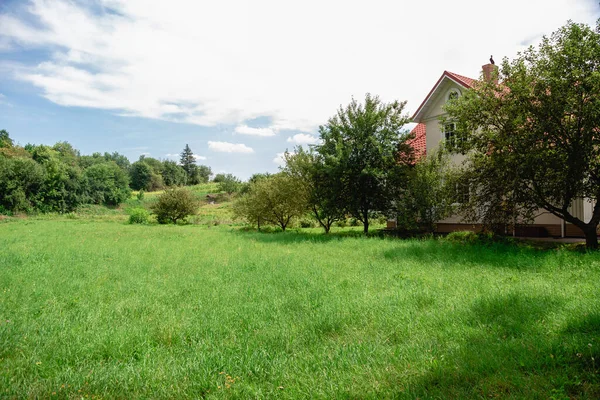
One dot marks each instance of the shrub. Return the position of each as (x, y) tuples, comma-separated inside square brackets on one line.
[(354, 222), (138, 216), (140, 195), (463, 237), (174, 205), (306, 223)]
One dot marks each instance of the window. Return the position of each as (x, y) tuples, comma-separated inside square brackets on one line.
[(450, 133), (463, 193), (453, 94)]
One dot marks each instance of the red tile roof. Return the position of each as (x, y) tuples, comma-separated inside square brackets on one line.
[(463, 80), (418, 141)]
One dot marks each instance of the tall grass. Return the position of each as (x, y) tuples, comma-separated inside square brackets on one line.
[(110, 310)]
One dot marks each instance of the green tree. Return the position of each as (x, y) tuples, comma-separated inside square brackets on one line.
[(21, 183), (175, 205), (276, 200), (427, 197), (141, 175), (203, 172), (5, 140), (173, 174), (107, 183), (188, 163), (364, 147), (229, 184), (321, 184), (533, 139)]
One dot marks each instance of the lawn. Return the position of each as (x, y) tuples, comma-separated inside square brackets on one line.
[(97, 308)]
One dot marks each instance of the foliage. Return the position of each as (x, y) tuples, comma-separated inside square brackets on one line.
[(107, 183), (463, 237), (138, 215), (364, 148), (173, 174), (195, 174), (276, 200), (21, 182), (140, 195), (63, 189), (175, 205), (218, 178), (533, 138), (5, 140), (322, 185), (229, 184), (143, 176), (428, 195)]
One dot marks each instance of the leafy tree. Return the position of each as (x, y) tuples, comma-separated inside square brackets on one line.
[(175, 205), (427, 198), (5, 140), (21, 182), (277, 200), (320, 183), (173, 174), (533, 139), (107, 183), (203, 173), (62, 190), (229, 184), (144, 177), (364, 147), (219, 178)]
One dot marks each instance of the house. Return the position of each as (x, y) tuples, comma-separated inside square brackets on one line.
[(429, 134)]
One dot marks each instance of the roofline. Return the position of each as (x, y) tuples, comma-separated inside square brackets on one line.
[(445, 74)]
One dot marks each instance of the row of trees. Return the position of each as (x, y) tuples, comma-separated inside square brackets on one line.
[(531, 138), (363, 168), (57, 178)]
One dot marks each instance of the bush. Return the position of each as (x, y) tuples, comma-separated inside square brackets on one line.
[(307, 223), (140, 195), (463, 237), (175, 205), (138, 216), (354, 222)]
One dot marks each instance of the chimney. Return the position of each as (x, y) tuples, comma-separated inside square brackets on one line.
[(490, 73)]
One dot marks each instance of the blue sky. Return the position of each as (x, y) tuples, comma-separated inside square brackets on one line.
[(238, 81)]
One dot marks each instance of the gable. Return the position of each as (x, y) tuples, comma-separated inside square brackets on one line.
[(437, 95)]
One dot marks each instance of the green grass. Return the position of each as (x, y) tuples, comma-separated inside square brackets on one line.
[(103, 309)]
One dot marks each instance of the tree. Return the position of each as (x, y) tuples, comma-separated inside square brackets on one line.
[(173, 174), (427, 197), (364, 147), (175, 205), (203, 172), (21, 182), (276, 200), (188, 163), (141, 175), (229, 184), (5, 140), (107, 183), (320, 183), (533, 140)]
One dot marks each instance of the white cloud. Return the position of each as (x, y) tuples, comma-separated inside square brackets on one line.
[(303, 138), (279, 160), (247, 130), (177, 156), (226, 147), (226, 62)]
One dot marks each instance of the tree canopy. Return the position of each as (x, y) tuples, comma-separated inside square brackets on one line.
[(364, 147), (533, 136)]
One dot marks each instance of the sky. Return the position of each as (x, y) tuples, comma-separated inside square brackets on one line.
[(239, 81)]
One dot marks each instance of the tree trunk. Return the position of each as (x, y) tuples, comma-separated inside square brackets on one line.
[(591, 238), (366, 223)]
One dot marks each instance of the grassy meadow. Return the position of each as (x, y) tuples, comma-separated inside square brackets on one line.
[(92, 307)]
